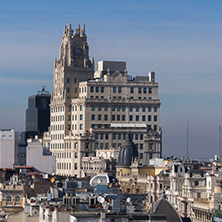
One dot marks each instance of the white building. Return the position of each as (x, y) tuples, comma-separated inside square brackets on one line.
[(9, 140), (91, 111), (108, 154), (40, 157)]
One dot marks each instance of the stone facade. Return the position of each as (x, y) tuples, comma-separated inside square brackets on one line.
[(11, 197), (91, 112)]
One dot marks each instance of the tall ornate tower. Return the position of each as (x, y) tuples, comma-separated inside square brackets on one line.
[(72, 67)]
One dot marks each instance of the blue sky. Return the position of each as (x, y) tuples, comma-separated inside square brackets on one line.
[(179, 40)]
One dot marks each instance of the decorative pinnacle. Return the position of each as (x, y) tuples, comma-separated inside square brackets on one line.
[(125, 72)]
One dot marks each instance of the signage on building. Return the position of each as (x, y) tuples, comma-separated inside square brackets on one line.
[(216, 216)]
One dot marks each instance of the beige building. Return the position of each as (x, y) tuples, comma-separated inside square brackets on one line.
[(91, 111)]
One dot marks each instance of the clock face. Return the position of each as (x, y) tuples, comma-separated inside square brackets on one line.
[(77, 51)]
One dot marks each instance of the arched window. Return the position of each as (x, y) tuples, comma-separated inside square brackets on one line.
[(8, 200), (17, 200)]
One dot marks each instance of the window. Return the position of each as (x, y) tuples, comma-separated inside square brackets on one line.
[(113, 118), (75, 90), (114, 136), (99, 117), (118, 117), (114, 89), (106, 136), (101, 136), (143, 118), (150, 156), (124, 136), (102, 89), (91, 89), (136, 137), (75, 80), (81, 117), (149, 108), (137, 108), (92, 126), (69, 117), (76, 166), (139, 90), (119, 136), (137, 118), (123, 108), (81, 126), (131, 109), (131, 118), (76, 155), (17, 200), (99, 125), (155, 127), (69, 108), (119, 89), (144, 109), (141, 136), (131, 90), (150, 90), (123, 118), (93, 117), (81, 107), (69, 127), (67, 80), (118, 108), (198, 195), (9, 199), (144, 90), (196, 183), (150, 146), (101, 146), (141, 155), (93, 108), (155, 108), (105, 117), (141, 146), (149, 118), (105, 108), (155, 118), (113, 108)]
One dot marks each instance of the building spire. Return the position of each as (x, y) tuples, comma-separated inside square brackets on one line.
[(83, 30)]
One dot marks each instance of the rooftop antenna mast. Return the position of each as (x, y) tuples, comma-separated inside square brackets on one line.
[(220, 142), (187, 148)]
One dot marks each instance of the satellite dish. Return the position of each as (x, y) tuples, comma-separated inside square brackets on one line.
[(100, 199), (128, 199)]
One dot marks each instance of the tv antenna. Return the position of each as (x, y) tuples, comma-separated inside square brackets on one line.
[(187, 141), (220, 141), (43, 91)]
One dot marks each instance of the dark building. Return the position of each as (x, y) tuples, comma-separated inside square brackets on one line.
[(20, 150), (38, 114)]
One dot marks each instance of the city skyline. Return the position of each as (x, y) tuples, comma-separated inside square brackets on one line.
[(180, 42)]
